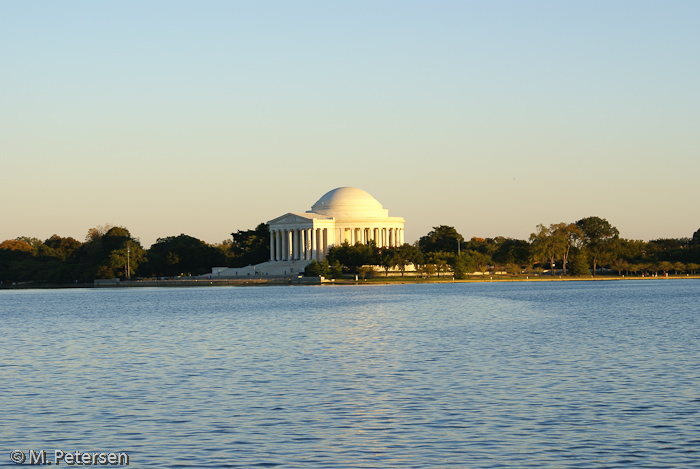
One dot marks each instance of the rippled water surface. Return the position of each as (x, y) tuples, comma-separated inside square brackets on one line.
[(551, 375)]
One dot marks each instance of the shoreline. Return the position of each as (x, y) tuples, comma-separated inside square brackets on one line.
[(174, 283)]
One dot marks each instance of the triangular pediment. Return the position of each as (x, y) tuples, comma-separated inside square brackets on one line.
[(297, 219)]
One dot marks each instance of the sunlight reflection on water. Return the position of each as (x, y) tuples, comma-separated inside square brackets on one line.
[(575, 374)]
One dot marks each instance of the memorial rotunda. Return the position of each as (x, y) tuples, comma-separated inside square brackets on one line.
[(343, 214)]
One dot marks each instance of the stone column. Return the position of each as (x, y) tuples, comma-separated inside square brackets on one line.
[(302, 251), (294, 244), (325, 242), (300, 239), (303, 244), (300, 244), (272, 245), (280, 245), (283, 241), (280, 255), (295, 248), (292, 238), (313, 244), (312, 239), (308, 244), (277, 245)]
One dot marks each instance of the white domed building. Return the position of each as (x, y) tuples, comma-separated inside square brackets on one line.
[(343, 214)]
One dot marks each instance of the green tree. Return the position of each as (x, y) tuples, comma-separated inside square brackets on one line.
[(123, 254), (365, 270), (404, 256), (123, 261), (183, 254), (63, 247), (443, 238), (620, 265), (352, 257), (513, 269), (336, 270), (571, 237), (35, 243), (679, 267), (225, 252), (548, 244), (480, 260), (440, 260), (578, 263), (108, 254), (600, 239), (665, 267), (387, 259), (513, 251), (630, 249), (643, 267), (414, 255), (318, 269), (251, 247), (428, 269), (462, 265)]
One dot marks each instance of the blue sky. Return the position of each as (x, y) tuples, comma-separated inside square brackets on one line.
[(208, 117)]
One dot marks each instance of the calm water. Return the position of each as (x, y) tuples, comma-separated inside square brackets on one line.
[(553, 375)]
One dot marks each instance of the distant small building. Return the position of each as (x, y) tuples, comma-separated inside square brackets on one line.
[(343, 214)]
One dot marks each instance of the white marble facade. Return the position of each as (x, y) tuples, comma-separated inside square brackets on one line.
[(343, 214)]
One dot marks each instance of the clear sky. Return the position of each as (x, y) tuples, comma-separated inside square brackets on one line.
[(204, 118)]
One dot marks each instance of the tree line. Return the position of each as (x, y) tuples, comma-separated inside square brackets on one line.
[(584, 247), (112, 252)]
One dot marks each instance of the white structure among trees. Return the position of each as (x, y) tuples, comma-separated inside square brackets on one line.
[(343, 214)]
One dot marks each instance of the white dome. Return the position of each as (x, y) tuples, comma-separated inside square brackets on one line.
[(349, 201)]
